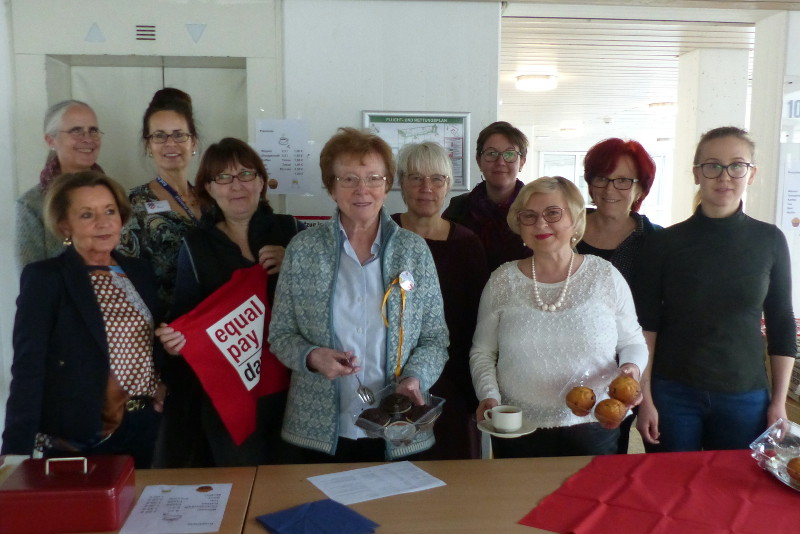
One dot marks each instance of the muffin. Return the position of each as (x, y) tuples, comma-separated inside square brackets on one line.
[(581, 400), (610, 412), (793, 469), (625, 389), (372, 416), (395, 403), (416, 412)]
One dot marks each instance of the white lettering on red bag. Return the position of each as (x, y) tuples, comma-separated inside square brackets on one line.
[(238, 336)]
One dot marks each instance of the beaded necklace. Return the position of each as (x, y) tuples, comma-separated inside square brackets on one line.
[(560, 300)]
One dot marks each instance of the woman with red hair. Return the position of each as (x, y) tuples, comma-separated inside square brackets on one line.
[(620, 175)]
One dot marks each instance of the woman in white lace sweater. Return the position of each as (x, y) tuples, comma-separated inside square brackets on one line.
[(547, 322)]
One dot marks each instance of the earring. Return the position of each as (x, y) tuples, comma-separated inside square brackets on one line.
[(573, 239), (194, 152), (149, 154), (67, 241)]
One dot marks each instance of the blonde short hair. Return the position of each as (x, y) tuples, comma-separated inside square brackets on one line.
[(551, 184)]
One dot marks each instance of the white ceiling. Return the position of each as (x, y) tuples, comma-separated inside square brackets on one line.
[(611, 62)]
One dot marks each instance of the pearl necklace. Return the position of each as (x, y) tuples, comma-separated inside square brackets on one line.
[(560, 300)]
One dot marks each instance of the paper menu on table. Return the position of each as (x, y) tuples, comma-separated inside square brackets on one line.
[(190, 509), (367, 483)]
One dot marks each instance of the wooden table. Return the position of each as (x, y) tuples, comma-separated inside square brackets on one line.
[(793, 410), (480, 495), (241, 478)]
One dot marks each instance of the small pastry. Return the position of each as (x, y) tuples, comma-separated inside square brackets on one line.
[(371, 417), (793, 469), (581, 400), (625, 389), (610, 412), (395, 403)]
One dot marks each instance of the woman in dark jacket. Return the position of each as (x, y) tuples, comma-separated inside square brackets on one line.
[(240, 231), (84, 377)]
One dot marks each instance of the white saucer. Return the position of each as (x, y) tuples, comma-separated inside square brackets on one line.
[(526, 428)]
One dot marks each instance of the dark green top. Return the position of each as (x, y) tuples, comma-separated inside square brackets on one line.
[(703, 286)]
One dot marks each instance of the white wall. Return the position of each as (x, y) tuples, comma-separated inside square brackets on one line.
[(8, 192), (346, 56)]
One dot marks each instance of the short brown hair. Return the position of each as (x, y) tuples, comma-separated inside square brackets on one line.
[(576, 206), (56, 203), (217, 158), (353, 142), (517, 138)]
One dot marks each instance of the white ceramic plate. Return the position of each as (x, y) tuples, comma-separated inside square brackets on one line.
[(526, 428)]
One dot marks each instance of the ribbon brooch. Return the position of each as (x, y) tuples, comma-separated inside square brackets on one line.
[(404, 282)]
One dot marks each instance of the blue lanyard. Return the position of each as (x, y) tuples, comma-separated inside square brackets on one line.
[(177, 198)]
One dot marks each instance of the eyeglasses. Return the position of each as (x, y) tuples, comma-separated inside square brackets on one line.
[(552, 214), (352, 181), (244, 176), (509, 156), (80, 132), (737, 169), (622, 184), (160, 138), (437, 180)]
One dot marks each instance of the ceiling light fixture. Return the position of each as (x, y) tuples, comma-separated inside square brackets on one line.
[(537, 82)]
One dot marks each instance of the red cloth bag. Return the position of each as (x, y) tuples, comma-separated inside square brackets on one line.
[(226, 346)]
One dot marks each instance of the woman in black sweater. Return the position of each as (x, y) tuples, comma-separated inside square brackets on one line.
[(700, 301)]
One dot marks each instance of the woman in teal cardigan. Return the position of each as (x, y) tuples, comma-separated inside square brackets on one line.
[(326, 323)]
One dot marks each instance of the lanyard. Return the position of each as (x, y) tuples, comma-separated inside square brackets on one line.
[(177, 197), (404, 282)]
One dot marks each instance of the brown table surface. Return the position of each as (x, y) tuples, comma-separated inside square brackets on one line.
[(480, 495), (241, 478)]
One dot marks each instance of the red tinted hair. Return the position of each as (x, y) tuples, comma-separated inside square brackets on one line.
[(603, 158)]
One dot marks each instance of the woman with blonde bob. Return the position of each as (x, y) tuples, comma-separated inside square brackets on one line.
[(548, 322)]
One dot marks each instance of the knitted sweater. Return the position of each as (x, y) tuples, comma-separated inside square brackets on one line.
[(302, 321)]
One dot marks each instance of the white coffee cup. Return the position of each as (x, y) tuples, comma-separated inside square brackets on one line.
[(504, 418)]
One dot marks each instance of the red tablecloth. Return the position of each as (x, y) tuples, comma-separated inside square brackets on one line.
[(687, 493)]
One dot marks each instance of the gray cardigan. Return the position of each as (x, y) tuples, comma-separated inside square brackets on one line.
[(302, 320)]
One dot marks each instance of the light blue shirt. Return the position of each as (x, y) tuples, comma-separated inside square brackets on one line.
[(358, 328)]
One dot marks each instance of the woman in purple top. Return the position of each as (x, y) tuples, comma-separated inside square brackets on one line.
[(424, 172)]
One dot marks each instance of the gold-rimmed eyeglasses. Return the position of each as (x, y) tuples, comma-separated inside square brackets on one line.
[(509, 156), (552, 214), (351, 181)]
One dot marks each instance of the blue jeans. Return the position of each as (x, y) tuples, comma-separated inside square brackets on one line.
[(691, 419)]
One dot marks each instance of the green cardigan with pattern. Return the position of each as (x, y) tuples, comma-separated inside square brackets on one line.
[(302, 321)]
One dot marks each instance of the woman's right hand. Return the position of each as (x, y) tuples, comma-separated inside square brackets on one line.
[(647, 422), (172, 340), (331, 363), (485, 404)]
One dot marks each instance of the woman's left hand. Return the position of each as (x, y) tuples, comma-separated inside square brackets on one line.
[(271, 257), (410, 388)]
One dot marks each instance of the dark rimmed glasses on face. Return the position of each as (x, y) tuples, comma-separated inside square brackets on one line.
[(352, 181), (80, 132), (160, 138), (509, 156), (737, 169), (244, 176), (551, 215), (623, 184), (437, 180)]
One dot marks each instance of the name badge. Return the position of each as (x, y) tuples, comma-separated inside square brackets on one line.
[(159, 206)]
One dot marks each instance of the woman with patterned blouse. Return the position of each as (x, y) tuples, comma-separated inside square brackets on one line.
[(84, 375), (167, 207)]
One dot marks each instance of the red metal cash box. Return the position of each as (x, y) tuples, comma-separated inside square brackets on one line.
[(67, 495)]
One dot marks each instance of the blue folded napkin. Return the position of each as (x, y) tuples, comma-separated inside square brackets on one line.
[(319, 517)]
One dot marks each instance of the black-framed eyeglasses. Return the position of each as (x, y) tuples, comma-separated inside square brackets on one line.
[(437, 180), (244, 176), (351, 181), (160, 138), (737, 169), (509, 156), (79, 132), (622, 184), (552, 214)]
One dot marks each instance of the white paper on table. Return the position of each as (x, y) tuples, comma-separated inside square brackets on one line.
[(192, 509), (367, 483)]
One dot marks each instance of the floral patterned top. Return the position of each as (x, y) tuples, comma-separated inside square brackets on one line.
[(156, 236)]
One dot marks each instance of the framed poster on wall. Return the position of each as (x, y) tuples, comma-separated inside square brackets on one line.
[(451, 130)]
